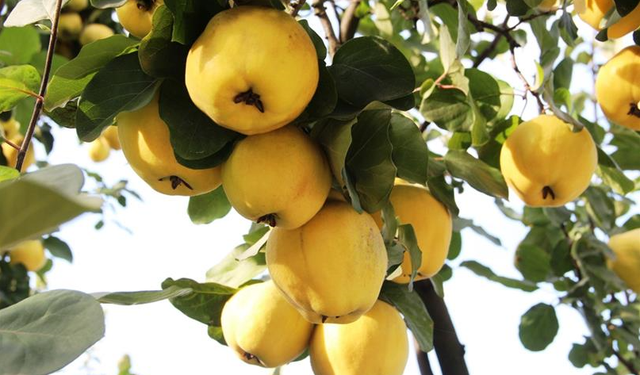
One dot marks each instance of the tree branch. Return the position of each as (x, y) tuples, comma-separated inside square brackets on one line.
[(423, 360), (626, 363), (321, 12), (296, 6), (527, 87), (37, 108), (449, 350), (349, 24)]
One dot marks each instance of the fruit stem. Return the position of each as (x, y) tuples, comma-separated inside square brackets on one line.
[(175, 182), (546, 191), (145, 5), (633, 110), (269, 219), (249, 98)]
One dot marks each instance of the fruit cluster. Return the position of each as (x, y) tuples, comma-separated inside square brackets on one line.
[(79, 25)]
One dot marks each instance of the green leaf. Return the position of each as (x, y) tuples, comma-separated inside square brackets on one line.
[(16, 83), (204, 303), (205, 208), (408, 239), (191, 17), (371, 69), (463, 39), (335, 138), (142, 297), (568, 29), (624, 7), (600, 207), (455, 246), (119, 86), (325, 98), (443, 192), (562, 74), (538, 327), (412, 308), (486, 93), (8, 173), (58, 248), (233, 272), (410, 153), (460, 223), (29, 208), (70, 79), (159, 56), (18, 44), (449, 109), (318, 43), (194, 136), (478, 174), (486, 272), (47, 331), (533, 262)]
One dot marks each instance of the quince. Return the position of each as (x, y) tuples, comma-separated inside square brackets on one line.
[(626, 247), (77, 5), (11, 154), (69, 26), (618, 88), (99, 150), (375, 344), (431, 222), (262, 328), (332, 268), (145, 143), (280, 178), (136, 16), (93, 32), (593, 11), (29, 253), (111, 135), (547, 164), (252, 70)]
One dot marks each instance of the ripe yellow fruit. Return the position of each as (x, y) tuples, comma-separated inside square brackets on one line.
[(10, 127), (375, 344), (262, 328), (93, 32), (29, 253), (111, 135), (592, 11), (332, 268), (99, 150), (11, 154), (77, 5), (618, 88), (626, 247), (546, 164), (145, 143), (548, 5), (431, 223), (136, 16), (252, 70), (69, 26), (280, 178)]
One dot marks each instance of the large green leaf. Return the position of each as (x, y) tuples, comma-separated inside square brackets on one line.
[(335, 138), (30, 207), (477, 173), (538, 327), (142, 297), (16, 83), (449, 109), (205, 208), (47, 331), (533, 262), (70, 79), (412, 308), (371, 69), (191, 17), (231, 271), (119, 86), (484, 271), (410, 152), (159, 56), (18, 44)]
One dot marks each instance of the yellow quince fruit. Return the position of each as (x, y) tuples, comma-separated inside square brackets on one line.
[(10, 127), (99, 150), (252, 70), (280, 178), (432, 224), (69, 26), (618, 89), (547, 164), (77, 5), (626, 247), (11, 154), (593, 12), (93, 32), (375, 344), (146, 146), (332, 268), (548, 5), (136, 16), (111, 135), (29, 253), (262, 328)]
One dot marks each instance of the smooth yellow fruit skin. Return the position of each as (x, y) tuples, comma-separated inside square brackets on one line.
[(618, 88), (30, 254), (69, 26), (99, 150), (544, 152), (11, 154), (93, 32), (146, 146), (375, 344), (625, 25), (626, 265), (548, 5), (11, 127), (262, 328), (77, 5), (136, 16), (281, 173), (592, 11), (111, 135), (332, 268), (252, 48), (431, 223)]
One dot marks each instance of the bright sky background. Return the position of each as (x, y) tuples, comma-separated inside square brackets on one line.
[(164, 243)]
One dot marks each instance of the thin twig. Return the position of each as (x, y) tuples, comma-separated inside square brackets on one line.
[(37, 108), (350, 22), (626, 363), (321, 12), (494, 44), (527, 87), (11, 144), (296, 6)]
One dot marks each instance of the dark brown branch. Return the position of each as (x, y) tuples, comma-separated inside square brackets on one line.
[(448, 348), (321, 12), (349, 24), (37, 108), (296, 6), (423, 360), (626, 363), (489, 50)]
